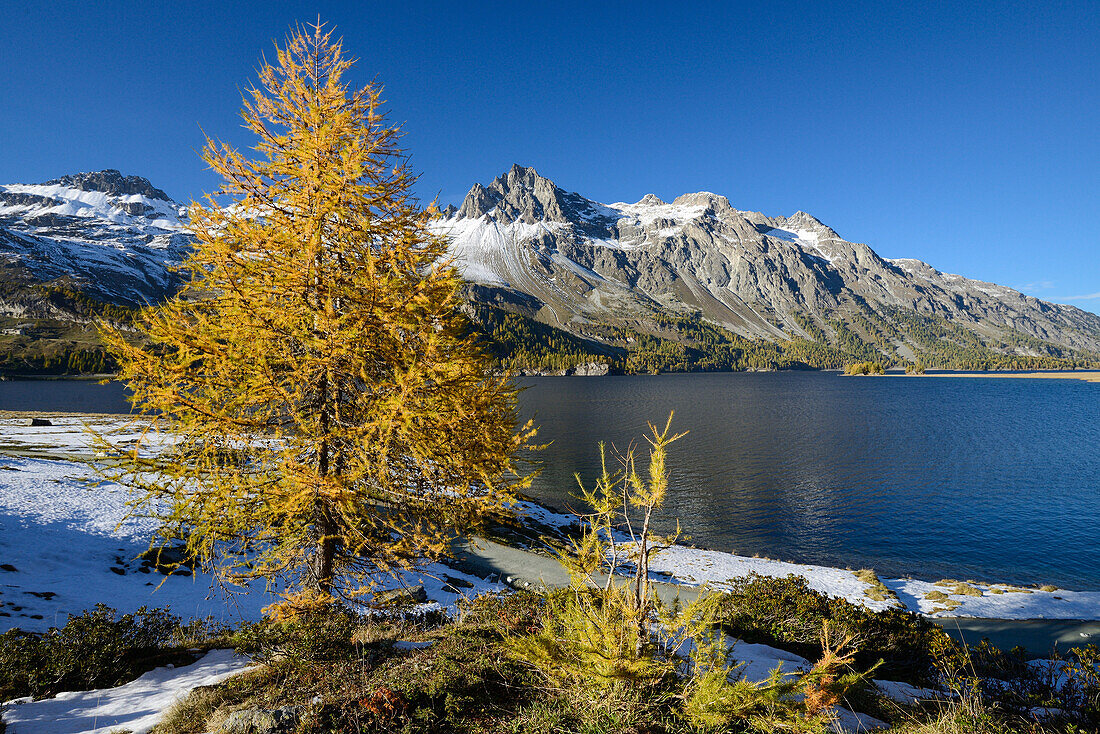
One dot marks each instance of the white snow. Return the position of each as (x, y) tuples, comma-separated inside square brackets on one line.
[(807, 239), (70, 436), (905, 693), (75, 202), (999, 601), (697, 566), (491, 253), (645, 213), (136, 707), (63, 533)]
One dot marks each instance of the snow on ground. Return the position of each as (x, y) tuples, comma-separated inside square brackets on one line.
[(695, 566), (63, 550), (69, 435), (993, 601), (996, 601), (65, 546), (75, 202), (905, 693), (651, 209), (136, 707), (807, 239)]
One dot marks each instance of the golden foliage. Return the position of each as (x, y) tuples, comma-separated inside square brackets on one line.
[(332, 417)]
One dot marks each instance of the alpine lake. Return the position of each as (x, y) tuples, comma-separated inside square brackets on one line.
[(931, 476)]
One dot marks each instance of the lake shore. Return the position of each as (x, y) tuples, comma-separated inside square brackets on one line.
[(1086, 375), (37, 457)]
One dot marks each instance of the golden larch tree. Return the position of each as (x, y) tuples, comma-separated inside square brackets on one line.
[(331, 415)]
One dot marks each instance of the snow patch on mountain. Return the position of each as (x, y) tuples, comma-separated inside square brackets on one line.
[(115, 237), (59, 200), (807, 239), (648, 211)]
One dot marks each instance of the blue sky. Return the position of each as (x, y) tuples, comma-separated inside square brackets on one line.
[(964, 136)]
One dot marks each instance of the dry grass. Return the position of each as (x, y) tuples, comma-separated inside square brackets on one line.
[(959, 588), (877, 590)]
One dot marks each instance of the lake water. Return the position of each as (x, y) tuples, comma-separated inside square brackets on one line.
[(989, 479)]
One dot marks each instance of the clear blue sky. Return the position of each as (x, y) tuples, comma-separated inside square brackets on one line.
[(968, 137)]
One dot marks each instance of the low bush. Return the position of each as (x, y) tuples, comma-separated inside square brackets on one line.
[(96, 649), (786, 612), (865, 368), (509, 612), (313, 635)]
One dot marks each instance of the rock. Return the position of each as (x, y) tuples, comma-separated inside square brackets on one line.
[(262, 721), (39, 422), (403, 597), (591, 369), (167, 560)]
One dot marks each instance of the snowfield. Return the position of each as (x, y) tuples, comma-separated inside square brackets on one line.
[(66, 543), (135, 707)]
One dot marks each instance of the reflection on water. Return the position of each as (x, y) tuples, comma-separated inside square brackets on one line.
[(996, 479)]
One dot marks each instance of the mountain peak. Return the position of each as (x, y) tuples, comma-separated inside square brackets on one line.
[(704, 198), (110, 181), (522, 195)]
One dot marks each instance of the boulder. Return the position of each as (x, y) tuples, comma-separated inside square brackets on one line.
[(261, 721), (403, 597), (39, 422)]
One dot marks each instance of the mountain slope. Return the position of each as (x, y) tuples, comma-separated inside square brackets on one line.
[(109, 236), (78, 248), (583, 266), (691, 284)]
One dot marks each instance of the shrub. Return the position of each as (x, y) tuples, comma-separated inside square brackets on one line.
[(92, 650), (786, 612), (463, 677), (509, 612), (313, 635)]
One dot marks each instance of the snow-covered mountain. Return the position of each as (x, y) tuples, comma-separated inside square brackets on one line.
[(113, 237), (573, 262), (589, 268)]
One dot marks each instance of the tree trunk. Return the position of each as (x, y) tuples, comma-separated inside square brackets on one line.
[(324, 554)]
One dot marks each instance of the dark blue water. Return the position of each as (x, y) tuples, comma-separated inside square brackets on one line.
[(73, 396), (990, 479), (979, 478)]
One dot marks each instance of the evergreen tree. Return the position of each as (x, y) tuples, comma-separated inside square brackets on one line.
[(334, 417)]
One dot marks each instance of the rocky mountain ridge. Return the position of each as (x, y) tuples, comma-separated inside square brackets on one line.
[(576, 264), (604, 276), (109, 236)]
